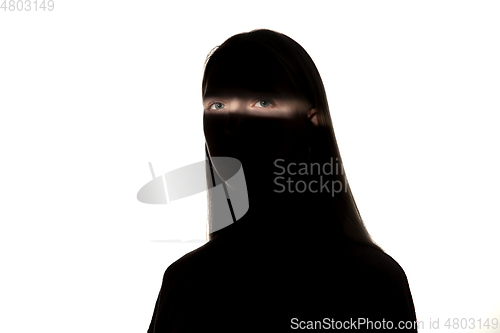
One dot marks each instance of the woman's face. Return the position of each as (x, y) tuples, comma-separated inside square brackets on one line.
[(251, 112), (257, 128)]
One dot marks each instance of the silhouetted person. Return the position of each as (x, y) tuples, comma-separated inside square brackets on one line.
[(301, 255)]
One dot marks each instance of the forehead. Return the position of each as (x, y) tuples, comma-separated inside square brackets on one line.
[(245, 75), (246, 85), (245, 93)]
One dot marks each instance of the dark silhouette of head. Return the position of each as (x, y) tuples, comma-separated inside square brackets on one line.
[(265, 105)]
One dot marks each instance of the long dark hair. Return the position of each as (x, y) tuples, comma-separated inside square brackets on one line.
[(306, 84)]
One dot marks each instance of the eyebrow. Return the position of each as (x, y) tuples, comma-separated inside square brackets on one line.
[(253, 94)]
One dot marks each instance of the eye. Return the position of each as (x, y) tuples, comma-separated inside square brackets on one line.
[(217, 106), (264, 103)]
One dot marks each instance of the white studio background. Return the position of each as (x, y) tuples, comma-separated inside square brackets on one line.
[(94, 90)]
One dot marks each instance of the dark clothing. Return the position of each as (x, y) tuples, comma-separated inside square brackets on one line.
[(243, 284)]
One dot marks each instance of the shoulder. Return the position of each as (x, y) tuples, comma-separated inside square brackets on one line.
[(383, 281), (377, 261), (188, 264), (378, 273)]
